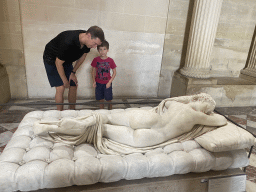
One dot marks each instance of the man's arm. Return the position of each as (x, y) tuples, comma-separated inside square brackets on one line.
[(60, 69), (93, 76), (77, 65)]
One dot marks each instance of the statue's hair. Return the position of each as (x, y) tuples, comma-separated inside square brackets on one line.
[(202, 97)]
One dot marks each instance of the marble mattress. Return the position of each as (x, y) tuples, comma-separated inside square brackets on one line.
[(30, 163)]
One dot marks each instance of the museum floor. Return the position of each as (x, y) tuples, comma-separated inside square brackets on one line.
[(11, 115)]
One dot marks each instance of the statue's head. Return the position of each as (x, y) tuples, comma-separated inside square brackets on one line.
[(205, 101)]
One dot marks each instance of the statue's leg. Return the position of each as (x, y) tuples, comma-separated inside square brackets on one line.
[(43, 128), (121, 134), (75, 126)]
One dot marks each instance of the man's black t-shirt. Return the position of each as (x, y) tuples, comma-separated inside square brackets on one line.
[(66, 47)]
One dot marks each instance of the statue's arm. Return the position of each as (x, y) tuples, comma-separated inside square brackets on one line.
[(212, 119), (131, 137)]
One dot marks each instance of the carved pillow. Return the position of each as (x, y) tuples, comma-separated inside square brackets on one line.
[(226, 138)]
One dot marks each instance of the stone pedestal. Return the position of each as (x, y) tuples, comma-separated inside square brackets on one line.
[(174, 183), (183, 85), (226, 91), (247, 76), (5, 95)]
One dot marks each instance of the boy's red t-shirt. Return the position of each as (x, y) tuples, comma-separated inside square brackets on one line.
[(103, 67)]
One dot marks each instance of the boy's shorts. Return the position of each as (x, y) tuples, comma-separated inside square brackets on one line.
[(102, 93), (53, 75)]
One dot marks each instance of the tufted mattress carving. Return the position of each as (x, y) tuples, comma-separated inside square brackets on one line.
[(30, 163)]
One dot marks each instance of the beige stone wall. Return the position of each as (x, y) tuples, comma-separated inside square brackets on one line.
[(148, 41), (175, 44), (11, 47), (230, 51), (134, 28), (233, 38)]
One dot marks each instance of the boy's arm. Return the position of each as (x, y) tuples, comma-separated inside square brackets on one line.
[(112, 78)]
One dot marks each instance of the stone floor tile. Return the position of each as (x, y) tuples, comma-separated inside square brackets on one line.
[(253, 111), (26, 101), (251, 173), (250, 186), (14, 129), (251, 123), (2, 148), (12, 116), (234, 110), (241, 121), (2, 129), (9, 126), (84, 101), (21, 108), (251, 129), (253, 160), (240, 116), (5, 137), (49, 108), (251, 117)]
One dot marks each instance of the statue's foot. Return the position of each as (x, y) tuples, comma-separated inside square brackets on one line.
[(41, 128)]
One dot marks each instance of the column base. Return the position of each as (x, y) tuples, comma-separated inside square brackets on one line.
[(201, 73), (226, 91), (247, 76)]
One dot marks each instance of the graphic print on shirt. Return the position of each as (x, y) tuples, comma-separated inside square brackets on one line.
[(103, 70)]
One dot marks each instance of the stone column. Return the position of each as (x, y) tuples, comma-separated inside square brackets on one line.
[(203, 29), (249, 72)]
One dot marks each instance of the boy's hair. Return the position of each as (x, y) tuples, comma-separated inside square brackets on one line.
[(96, 32), (103, 44)]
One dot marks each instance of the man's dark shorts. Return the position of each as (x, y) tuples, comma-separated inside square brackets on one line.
[(53, 75), (102, 93)]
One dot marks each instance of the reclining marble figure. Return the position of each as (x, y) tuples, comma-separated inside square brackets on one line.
[(137, 128), (53, 149)]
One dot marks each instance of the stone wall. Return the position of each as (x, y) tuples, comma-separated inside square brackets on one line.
[(134, 28), (11, 47), (233, 38), (5, 95), (148, 40), (175, 44)]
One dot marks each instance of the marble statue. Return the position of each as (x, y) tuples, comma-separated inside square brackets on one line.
[(137, 127), (142, 128)]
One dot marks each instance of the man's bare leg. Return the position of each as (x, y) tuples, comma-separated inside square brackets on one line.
[(109, 105), (72, 96), (101, 105), (59, 97)]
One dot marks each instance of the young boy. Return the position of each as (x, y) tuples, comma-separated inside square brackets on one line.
[(102, 80)]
